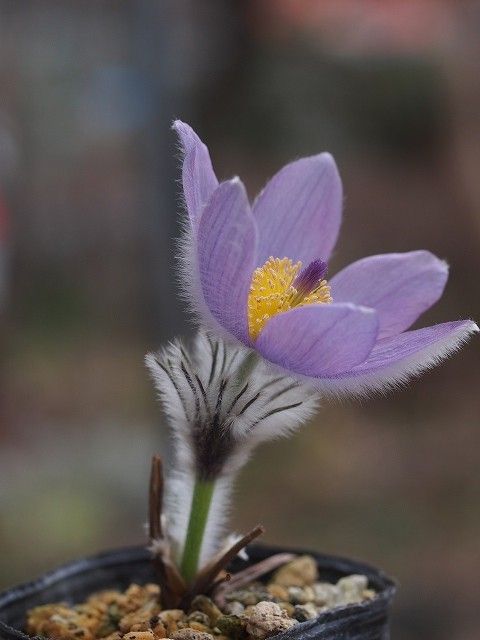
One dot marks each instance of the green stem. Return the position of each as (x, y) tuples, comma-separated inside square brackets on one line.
[(201, 500)]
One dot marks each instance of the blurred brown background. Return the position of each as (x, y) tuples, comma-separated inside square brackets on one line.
[(88, 213)]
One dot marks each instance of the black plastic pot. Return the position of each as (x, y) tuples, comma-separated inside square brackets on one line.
[(117, 569)]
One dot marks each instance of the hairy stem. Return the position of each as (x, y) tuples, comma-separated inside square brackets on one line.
[(201, 500)]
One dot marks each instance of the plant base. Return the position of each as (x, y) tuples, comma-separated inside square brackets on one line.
[(117, 569)]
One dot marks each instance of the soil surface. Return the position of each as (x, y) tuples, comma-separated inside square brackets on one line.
[(257, 611)]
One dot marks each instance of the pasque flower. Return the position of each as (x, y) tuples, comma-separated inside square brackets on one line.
[(256, 277), (257, 274)]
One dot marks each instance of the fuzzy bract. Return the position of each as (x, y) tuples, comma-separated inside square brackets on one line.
[(220, 405), (255, 274)]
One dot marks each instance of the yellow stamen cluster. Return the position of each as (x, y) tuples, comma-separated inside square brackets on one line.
[(272, 292)]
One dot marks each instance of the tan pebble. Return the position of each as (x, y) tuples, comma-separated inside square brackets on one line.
[(233, 608), (139, 635), (299, 572), (133, 591), (309, 593), (137, 597), (297, 595), (267, 619), (287, 606), (38, 615), (369, 594), (172, 620), (199, 616), (152, 590), (207, 606), (326, 594), (352, 588), (133, 619), (171, 614), (159, 630), (304, 612), (62, 621), (198, 626), (247, 597), (351, 597), (86, 615), (97, 607), (355, 582), (277, 591), (140, 626), (191, 634)]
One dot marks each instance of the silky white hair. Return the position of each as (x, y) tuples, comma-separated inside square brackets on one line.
[(221, 401), (397, 374)]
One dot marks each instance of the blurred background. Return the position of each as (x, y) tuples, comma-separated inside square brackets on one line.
[(89, 203)]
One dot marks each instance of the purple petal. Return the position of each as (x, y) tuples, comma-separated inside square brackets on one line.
[(319, 340), (226, 255), (399, 286), (199, 179), (396, 359), (299, 212)]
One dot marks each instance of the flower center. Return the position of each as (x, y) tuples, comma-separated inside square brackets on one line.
[(280, 285)]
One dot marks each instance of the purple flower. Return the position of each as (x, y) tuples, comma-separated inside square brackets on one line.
[(256, 273)]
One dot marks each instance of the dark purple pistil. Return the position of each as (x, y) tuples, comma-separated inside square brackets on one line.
[(310, 277)]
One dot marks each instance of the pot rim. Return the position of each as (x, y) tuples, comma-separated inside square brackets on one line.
[(384, 585)]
